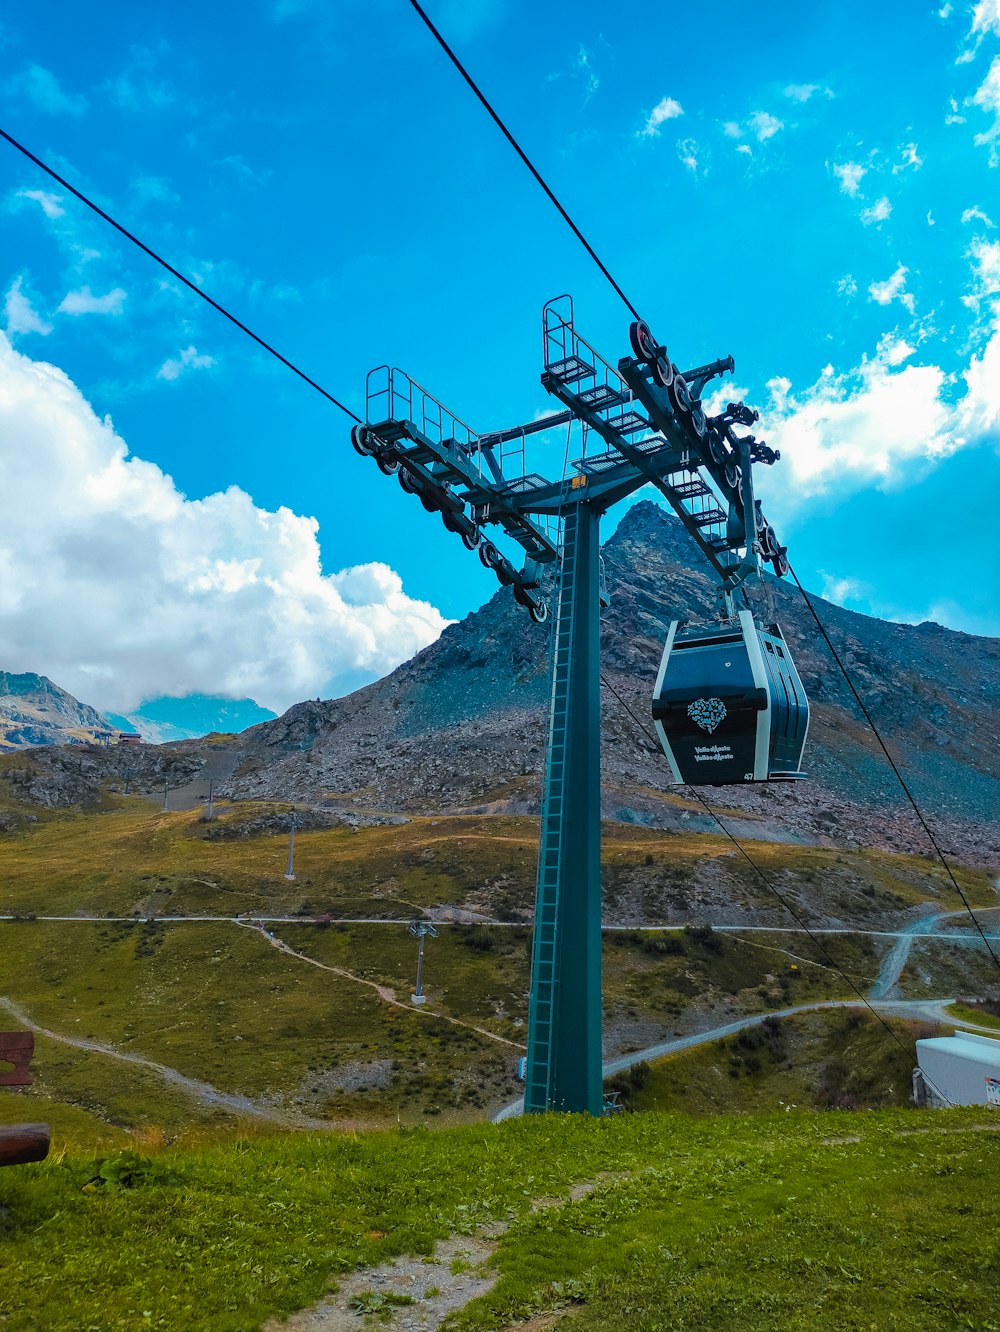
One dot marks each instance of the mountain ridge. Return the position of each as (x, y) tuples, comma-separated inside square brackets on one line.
[(461, 725)]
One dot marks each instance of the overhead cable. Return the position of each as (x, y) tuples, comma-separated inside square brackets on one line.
[(192, 286), (491, 112), (895, 767), (822, 948)]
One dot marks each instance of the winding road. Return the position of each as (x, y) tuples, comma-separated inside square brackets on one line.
[(926, 1010)]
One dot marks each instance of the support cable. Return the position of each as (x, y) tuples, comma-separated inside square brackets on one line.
[(590, 250), (892, 763), (192, 286), (818, 943), (520, 152)]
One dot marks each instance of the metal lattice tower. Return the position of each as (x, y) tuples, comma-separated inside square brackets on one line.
[(654, 431)]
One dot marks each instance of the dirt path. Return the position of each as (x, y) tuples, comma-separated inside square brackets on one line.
[(384, 992), (409, 1294), (203, 1092)]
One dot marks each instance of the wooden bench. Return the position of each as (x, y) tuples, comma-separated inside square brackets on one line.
[(20, 1143)]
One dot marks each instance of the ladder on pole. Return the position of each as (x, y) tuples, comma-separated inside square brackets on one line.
[(544, 960)]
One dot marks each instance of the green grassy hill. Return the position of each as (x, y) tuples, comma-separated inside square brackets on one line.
[(787, 1221), (314, 1024)]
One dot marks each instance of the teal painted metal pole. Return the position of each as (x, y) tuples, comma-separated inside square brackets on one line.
[(564, 1017)]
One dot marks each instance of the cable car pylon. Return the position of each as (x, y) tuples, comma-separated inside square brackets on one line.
[(654, 431)]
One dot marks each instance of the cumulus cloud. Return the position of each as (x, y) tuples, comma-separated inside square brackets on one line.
[(893, 289), (986, 18), (987, 98), (847, 285), (667, 109), (849, 174), (85, 302), (189, 359), (50, 204), (21, 315), (985, 256), (119, 588), (882, 423), (765, 126), (877, 213), (43, 90)]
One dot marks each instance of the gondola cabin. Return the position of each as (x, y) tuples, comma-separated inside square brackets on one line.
[(729, 706)]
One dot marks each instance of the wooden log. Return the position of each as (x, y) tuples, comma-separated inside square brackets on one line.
[(16, 1047), (22, 1143)]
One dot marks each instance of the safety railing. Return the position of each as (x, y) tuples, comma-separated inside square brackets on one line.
[(391, 395)]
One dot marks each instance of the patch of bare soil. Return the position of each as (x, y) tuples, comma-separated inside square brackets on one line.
[(410, 1294)]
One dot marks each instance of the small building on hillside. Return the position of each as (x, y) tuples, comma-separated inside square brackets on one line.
[(129, 738), (963, 1069)]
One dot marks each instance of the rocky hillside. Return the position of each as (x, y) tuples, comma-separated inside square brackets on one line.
[(34, 711), (461, 726)]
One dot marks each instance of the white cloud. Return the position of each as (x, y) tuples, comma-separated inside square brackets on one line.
[(954, 117), (667, 109), (877, 213), (985, 256), (893, 350), (20, 313), (979, 411), (841, 590), (119, 588), (883, 422), (986, 18), (688, 152), (847, 286), (801, 92), (860, 428), (42, 89), (585, 67), (765, 126), (189, 359), (49, 203), (893, 289), (85, 302), (849, 174), (976, 215), (732, 130), (987, 98), (930, 219), (910, 158)]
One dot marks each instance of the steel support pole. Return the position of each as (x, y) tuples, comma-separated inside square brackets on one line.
[(564, 1019)]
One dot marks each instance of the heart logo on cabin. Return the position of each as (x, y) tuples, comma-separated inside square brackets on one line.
[(707, 713)]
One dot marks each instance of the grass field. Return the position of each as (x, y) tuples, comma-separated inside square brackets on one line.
[(788, 1221), (219, 1004), (132, 859)]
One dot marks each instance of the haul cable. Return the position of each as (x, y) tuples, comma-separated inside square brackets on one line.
[(821, 947), (192, 286), (590, 250), (892, 763), (491, 112)]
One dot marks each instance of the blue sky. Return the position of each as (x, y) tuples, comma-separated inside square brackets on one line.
[(813, 189)]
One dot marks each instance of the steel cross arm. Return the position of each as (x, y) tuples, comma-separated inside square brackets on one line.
[(456, 467), (605, 488), (649, 473), (656, 402), (492, 437)]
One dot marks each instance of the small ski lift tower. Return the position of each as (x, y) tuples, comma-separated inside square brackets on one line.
[(652, 430)]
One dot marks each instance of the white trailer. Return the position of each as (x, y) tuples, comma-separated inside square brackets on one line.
[(958, 1070)]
